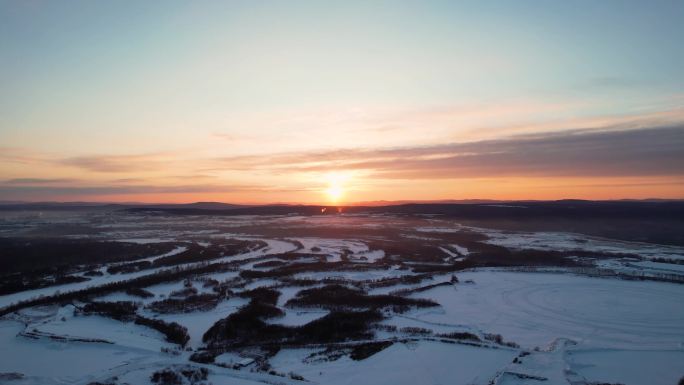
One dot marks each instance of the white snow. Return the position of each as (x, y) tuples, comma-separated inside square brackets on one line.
[(177, 250), (413, 363), (550, 365), (65, 361), (334, 248), (453, 256), (96, 327), (533, 309), (229, 358), (297, 317), (568, 241), (367, 256), (144, 241), (589, 329), (455, 229), (460, 249), (632, 367)]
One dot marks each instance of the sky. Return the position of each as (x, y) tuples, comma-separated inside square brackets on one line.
[(342, 102)]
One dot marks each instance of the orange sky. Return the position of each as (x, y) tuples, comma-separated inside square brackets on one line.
[(432, 190), (633, 157)]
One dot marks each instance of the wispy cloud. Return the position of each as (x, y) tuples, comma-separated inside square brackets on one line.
[(119, 163), (12, 190), (50, 192), (20, 155), (39, 181), (653, 151)]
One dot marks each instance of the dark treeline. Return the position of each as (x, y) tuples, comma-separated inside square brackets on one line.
[(196, 253), (139, 292), (393, 281), (179, 376), (486, 255), (352, 315), (247, 324), (22, 282), (363, 351), (120, 311), (671, 261), (51, 256), (193, 254), (405, 292), (342, 297), (247, 327), (269, 264), (289, 270), (262, 295), (191, 303), (168, 275), (174, 332), (163, 276), (34, 263)]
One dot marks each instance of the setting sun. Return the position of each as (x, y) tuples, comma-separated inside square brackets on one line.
[(335, 190)]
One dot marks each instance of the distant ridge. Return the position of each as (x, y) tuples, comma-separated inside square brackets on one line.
[(504, 210), (47, 206), (196, 205), (438, 201), (370, 206), (20, 205)]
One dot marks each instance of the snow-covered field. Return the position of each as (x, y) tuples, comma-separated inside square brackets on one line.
[(402, 363), (556, 324), (533, 309), (574, 242)]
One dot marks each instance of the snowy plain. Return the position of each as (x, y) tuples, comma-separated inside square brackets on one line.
[(566, 327)]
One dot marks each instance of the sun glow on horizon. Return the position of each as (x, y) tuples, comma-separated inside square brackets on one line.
[(336, 187)]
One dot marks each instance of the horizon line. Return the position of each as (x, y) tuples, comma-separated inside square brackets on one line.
[(342, 204)]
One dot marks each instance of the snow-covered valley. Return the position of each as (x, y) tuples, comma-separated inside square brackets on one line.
[(344, 300)]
